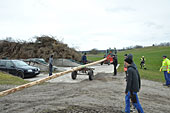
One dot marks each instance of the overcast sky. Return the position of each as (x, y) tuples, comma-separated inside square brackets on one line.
[(88, 24)]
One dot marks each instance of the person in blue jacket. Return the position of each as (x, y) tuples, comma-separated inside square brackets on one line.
[(84, 59)]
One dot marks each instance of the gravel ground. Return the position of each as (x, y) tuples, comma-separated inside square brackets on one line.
[(105, 94)]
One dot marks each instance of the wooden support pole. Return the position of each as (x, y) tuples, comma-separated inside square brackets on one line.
[(21, 87)]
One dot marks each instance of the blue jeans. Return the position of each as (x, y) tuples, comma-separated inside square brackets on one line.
[(135, 102), (50, 69), (167, 77)]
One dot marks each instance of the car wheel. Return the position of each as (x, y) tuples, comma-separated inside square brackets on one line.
[(20, 74), (74, 75)]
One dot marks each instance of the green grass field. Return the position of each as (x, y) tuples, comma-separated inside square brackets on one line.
[(153, 57), (6, 79), (95, 57)]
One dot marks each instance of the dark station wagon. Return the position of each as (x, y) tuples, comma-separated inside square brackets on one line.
[(18, 68)]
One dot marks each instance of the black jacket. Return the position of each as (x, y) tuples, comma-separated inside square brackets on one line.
[(133, 79), (115, 61)]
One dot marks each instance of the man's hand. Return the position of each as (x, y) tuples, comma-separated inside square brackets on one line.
[(160, 70), (168, 72)]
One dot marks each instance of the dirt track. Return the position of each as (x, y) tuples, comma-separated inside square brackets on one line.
[(105, 94)]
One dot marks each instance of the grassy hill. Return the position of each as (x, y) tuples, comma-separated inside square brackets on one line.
[(153, 57), (10, 79)]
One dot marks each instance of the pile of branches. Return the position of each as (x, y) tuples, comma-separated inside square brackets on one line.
[(43, 47)]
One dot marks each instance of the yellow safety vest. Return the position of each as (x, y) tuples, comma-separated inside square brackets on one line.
[(142, 59), (165, 65), (168, 65)]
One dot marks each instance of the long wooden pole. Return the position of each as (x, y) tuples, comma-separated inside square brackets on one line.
[(21, 87)]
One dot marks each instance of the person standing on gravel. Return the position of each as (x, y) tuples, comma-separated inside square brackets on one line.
[(115, 62), (50, 65), (166, 69), (132, 87), (130, 56), (125, 68)]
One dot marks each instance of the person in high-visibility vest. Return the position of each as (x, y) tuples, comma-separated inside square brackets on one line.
[(166, 69), (142, 62)]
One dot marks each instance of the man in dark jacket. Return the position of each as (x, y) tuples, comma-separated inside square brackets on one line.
[(125, 68), (115, 62), (130, 56), (132, 87), (50, 65)]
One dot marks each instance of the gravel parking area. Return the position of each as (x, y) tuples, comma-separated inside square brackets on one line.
[(105, 94)]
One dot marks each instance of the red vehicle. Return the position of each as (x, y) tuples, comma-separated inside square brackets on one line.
[(109, 56), (109, 59)]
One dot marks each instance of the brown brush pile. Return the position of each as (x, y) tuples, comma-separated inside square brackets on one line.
[(43, 47)]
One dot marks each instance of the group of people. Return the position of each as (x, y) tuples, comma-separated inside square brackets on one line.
[(133, 84), (142, 63), (133, 80), (132, 76)]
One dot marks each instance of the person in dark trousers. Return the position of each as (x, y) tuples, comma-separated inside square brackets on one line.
[(50, 65), (115, 62), (125, 68), (166, 69), (132, 87), (84, 59), (130, 56), (142, 62)]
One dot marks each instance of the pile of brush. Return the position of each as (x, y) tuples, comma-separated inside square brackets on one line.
[(43, 47)]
